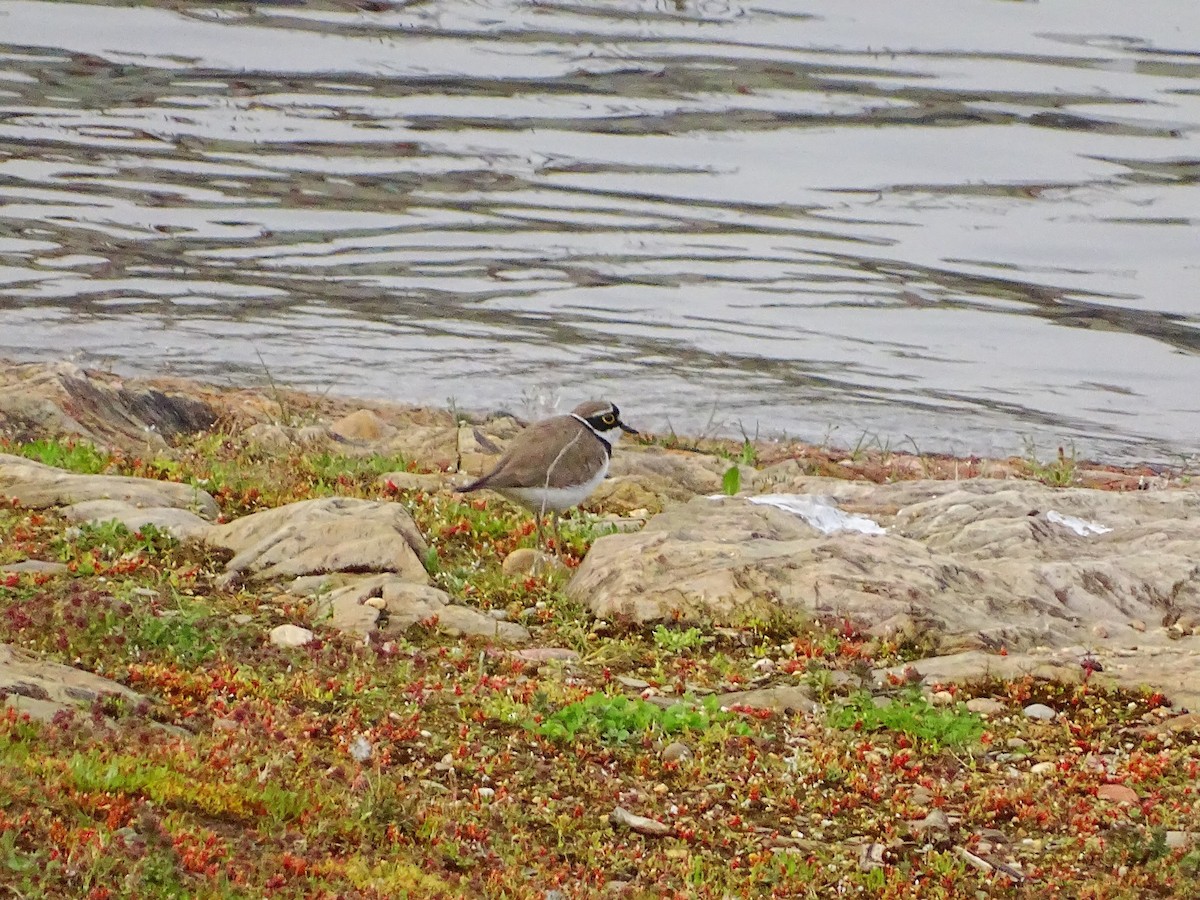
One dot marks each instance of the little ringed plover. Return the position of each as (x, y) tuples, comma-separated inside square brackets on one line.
[(556, 463)]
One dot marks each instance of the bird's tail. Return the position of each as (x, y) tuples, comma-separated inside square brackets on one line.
[(473, 486)]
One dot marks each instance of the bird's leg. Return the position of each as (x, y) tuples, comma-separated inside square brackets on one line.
[(541, 514), (557, 534), (537, 521)]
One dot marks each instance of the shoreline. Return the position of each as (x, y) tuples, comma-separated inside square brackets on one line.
[(66, 400)]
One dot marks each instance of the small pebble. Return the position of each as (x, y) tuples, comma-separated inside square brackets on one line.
[(1117, 793), (935, 821), (870, 856), (675, 751), (1041, 712), (986, 706), (290, 636), (1042, 768), (1177, 839), (640, 824)]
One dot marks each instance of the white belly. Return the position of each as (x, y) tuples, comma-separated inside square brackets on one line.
[(550, 499)]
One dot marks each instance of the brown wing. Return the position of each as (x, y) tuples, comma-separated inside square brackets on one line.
[(538, 450)]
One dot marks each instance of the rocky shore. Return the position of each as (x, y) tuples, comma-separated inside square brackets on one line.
[(951, 571), (990, 560)]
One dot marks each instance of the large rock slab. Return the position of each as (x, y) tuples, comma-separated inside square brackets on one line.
[(180, 523), (39, 486), (65, 400), (315, 537), (42, 688), (973, 564)]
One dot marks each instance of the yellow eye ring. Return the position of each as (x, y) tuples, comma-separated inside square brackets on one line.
[(609, 419)]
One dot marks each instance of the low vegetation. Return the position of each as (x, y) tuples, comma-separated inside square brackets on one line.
[(432, 766)]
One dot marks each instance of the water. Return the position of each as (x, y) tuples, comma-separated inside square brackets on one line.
[(964, 225)]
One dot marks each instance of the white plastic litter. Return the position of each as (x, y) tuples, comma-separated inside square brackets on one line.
[(819, 512), (1081, 527)]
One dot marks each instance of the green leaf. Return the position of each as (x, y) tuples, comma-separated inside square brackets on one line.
[(732, 482)]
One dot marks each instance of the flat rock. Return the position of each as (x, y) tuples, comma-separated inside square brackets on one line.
[(652, 478), (431, 442), (180, 523), (785, 699), (391, 605), (39, 486), (316, 537), (457, 619), (409, 604), (980, 564), (413, 481), (36, 566), (675, 474), (1170, 666), (986, 706), (969, 564), (41, 688)]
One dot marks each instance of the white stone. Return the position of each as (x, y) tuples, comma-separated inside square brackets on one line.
[(290, 636)]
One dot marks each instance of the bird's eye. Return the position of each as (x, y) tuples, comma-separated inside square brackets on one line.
[(609, 419)]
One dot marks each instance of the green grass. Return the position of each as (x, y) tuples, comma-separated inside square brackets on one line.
[(675, 640), (1059, 472), (912, 715), (618, 719), (74, 456), (112, 539)]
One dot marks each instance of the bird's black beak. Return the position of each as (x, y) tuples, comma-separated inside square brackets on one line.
[(625, 428)]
